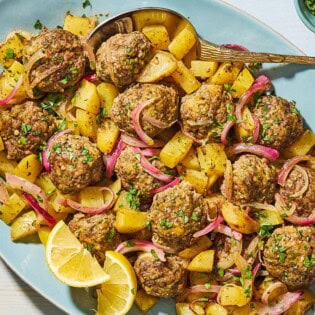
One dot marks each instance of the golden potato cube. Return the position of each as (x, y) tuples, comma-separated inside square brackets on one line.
[(86, 97), (191, 161), (25, 225), (302, 146), (73, 125), (182, 43), (175, 150), (270, 216), (226, 73), (56, 202), (6, 166), (306, 301), (158, 36), (130, 221), (203, 262), (11, 49), (198, 179), (242, 83), (162, 65), (91, 196), (184, 77), (87, 123), (29, 168), (106, 136), (215, 309), (1, 144), (126, 202), (212, 180), (79, 25), (9, 81), (203, 69), (183, 309), (145, 301), (43, 234), (212, 158), (10, 210), (45, 183), (231, 294), (196, 278), (107, 93), (190, 56), (203, 243), (244, 310)]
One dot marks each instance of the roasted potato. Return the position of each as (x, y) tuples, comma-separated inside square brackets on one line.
[(107, 93), (226, 73), (106, 136), (29, 168), (242, 83), (203, 243), (203, 262), (79, 25), (130, 221), (87, 123), (145, 301), (158, 36), (10, 210), (203, 69)]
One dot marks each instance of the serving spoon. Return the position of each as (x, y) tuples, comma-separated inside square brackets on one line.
[(124, 23)]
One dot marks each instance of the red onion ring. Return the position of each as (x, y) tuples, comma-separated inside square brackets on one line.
[(171, 184), (92, 210), (281, 203), (227, 127), (138, 245), (210, 227), (270, 288), (302, 220), (137, 124), (202, 288), (133, 142), (150, 169), (7, 99), (269, 153), (111, 159), (261, 84), (165, 249), (149, 152), (48, 218), (255, 270), (46, 152), (4, 195), (191, 305), (288, 165), (228, 180), (157, 123), (256, 128), (91, 77), (283, 303), (226, 230), (235, 47), (28, 187)]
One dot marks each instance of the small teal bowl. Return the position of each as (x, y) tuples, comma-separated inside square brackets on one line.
[(305, 15)]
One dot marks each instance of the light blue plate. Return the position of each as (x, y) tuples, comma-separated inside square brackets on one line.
[(214, 21)]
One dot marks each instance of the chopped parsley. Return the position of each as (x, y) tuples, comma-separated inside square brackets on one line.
[(62, 124), (51, 101), (265, 229), (110, 235), (129, 244), (38, 25), (9, 54), (194, 216), (165, 223), (22, 140), (87, 156), (26, 128), (154, 254), (86, 3), (133, 198)]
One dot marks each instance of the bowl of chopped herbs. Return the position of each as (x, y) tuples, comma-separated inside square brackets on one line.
[(306, 12)]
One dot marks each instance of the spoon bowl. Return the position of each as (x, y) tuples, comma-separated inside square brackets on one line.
[(127, 22)]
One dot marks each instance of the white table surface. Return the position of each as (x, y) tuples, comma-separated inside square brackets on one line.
[(16, 297)]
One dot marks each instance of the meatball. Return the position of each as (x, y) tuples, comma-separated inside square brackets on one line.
[(96, 232), (289, 255), (205, 111), (281, 123), (254, 180), (305, 202), (56, 60), (176, 214), (122, 57), (133, 175), (163, 109), (24, 128), (162, 279), (75, 163)]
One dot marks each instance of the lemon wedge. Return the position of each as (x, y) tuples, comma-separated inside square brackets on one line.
[(69, 261), (117, 295)]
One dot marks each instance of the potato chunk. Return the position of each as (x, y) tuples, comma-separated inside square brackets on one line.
[(130, 221), (29, 168), (145, 301), (86, 122), (202, 244), (203, 262), (25, 225), (227, 73), (182, 43), (175, 150), (203, 69), (106, 136), (191, 161), (79, 25), (107, 92), (10, 210), (162, 65), (242, 83), (158, 36), (198, 179), (183, 309)]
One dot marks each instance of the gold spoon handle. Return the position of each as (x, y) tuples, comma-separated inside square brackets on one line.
[(209, 51)]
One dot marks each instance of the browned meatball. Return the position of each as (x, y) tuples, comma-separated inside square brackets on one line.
[(122, 57), (204, 112), (75, 163), (162, 279), (163, 108), (289, 255), (56, 60), (305, 203), (133, 176), (24, 128), (96, 232), (254, 180), (280, 122), (176, 214)]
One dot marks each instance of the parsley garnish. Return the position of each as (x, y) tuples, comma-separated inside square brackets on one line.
[(9, 54), (86, 3), (38, 25)]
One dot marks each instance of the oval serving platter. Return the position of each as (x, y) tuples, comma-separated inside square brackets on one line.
[(214, 21)]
